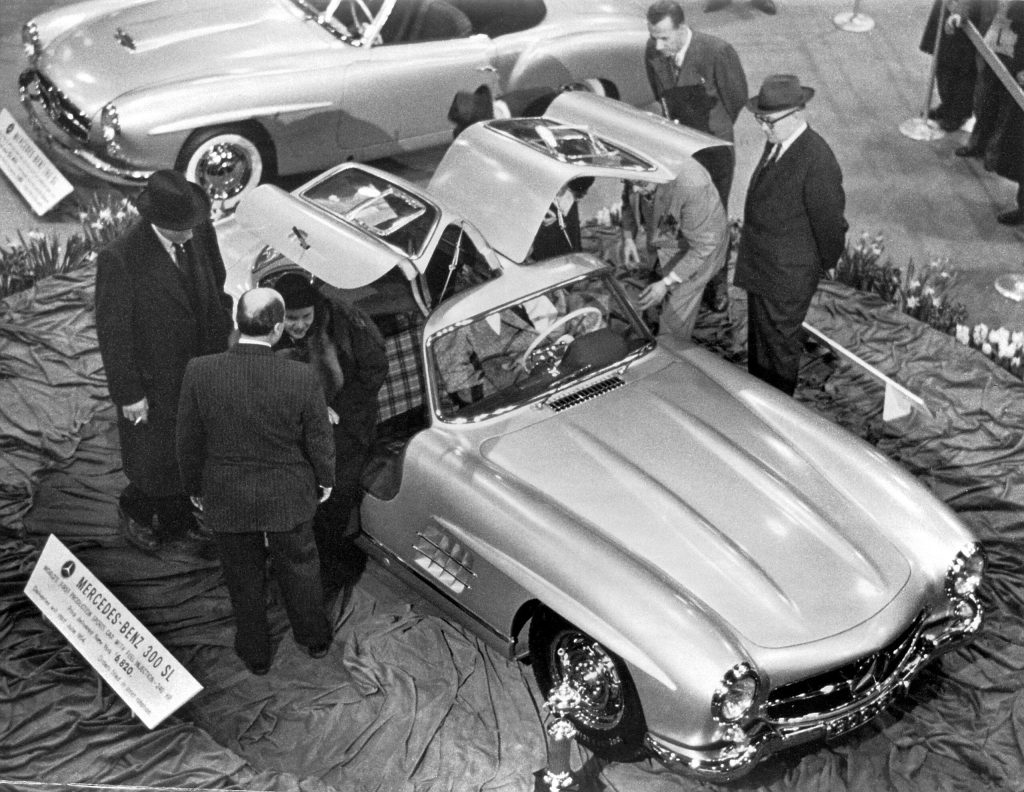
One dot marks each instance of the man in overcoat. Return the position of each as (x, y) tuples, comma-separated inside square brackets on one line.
[(698, 80), (256, 454), (794, 229), (159, 303)]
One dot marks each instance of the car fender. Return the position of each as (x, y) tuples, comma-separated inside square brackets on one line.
[(52, 24), (616, 56)]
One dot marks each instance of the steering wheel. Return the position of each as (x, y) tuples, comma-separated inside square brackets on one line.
[(524, 361)]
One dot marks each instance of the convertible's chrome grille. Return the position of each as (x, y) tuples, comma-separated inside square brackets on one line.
[(843, 686), (592, 391), (62, 110), (444, 559)]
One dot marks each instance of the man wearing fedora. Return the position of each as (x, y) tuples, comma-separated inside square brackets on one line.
[(794, 229), (159, 303)]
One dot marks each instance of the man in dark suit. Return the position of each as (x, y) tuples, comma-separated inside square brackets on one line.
[(794, 229), (699, 81), (256, 455), (159, 303)]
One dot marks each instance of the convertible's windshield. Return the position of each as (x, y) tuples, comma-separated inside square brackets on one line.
[(529, 350), (349, 19)]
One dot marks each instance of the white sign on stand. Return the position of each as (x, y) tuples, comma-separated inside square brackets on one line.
[(37, 179), (136, 666)]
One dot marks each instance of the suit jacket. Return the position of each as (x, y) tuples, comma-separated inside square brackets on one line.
[(793, 224), (253, 439), (148, 330), (709, 62)]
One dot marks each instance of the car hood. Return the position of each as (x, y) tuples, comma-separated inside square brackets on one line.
[(174, 41), (689, 481)]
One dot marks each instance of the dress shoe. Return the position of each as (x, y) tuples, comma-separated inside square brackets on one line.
[(1012, 218), (765, 6), (967, 151), (318, 651), (257, 670), (137, 534), (716, 5)]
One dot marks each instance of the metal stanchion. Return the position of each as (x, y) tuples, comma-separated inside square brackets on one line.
[(854, 21), (922, 127), (557, 776)]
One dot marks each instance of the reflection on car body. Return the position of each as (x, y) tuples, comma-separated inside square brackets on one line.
[(717, 571)]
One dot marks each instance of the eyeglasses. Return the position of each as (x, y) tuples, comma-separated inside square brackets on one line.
[(771, 122)]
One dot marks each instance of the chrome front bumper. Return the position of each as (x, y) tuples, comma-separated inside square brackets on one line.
[(66, 148), (748, 744)]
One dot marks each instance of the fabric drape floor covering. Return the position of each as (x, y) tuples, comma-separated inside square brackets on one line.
[(405, 700)]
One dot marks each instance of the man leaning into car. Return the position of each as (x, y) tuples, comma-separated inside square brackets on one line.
[(687, 238)]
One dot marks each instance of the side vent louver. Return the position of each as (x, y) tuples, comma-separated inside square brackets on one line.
[(444, 559), (592, 391)]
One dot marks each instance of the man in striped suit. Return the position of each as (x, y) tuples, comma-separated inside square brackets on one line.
[(256, 455)]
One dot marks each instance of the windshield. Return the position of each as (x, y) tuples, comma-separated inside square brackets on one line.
[(347, 19), (534, 348), (383, 209)]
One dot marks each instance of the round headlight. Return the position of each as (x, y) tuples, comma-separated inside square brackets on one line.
[(30, 39), (966, 571), (736, 695), (110, 123)]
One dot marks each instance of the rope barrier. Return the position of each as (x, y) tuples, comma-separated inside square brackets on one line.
[(853, 21)]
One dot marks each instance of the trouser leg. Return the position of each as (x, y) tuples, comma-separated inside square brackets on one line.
[(137, 504), (243, 559), (297, 567), (775, 338)]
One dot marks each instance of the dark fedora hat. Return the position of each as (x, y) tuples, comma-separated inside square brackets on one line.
[(170, 201), (779, 92)]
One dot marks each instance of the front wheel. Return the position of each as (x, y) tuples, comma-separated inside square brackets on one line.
[(226, 162), (610, 720)]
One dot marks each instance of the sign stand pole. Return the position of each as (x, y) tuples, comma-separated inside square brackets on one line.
[(854, 21), (922, 127)]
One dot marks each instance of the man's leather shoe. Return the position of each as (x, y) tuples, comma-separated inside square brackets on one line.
[(766, 6), (1011, 218), (257, 670), (137, 534), (967, 151), (318, 651), (716, 5)]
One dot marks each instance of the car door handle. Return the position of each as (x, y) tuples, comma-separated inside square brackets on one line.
[(490, 69), (300, 236)]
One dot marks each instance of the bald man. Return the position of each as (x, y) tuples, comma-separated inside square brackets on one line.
[(256, 454)]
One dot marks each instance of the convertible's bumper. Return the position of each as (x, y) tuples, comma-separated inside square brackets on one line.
[(747, 745), (43, 107)]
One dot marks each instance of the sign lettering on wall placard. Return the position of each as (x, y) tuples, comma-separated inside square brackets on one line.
[(147, 677), (28, 168)]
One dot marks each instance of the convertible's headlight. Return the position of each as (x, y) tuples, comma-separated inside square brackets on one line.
[(30, 39), (965, 573), (110, 125), (736, 695)]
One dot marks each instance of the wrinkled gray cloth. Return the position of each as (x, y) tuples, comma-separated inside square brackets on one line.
[(404, 700)]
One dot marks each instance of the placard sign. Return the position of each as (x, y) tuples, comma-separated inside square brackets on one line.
[(37, 179), (139, 669)]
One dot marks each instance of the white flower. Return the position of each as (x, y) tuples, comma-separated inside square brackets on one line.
[(913, 302), (105, 214), (987, 348), (928, 291), (36, 235), (963, 334), (1007, 351), (937, 302), (1017, 337), (1015, 362), (979, 334), (999, 337)]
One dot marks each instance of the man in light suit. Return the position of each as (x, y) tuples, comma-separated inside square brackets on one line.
[(794, 230), (159, 303), (699, 81), (256, 455)]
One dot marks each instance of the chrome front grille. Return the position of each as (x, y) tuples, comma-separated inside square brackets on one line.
[(592, 391), (60, 109), (841, 687)]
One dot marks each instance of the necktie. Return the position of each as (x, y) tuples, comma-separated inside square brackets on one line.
[(187, 268), (768, 159)]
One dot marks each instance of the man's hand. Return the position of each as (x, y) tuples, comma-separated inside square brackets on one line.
[(136, 413), (197, 501), (333, 416), (653, 295), (325, 493), (953, 21)]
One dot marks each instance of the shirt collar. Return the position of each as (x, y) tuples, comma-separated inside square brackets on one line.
[(789, 140), (681, 55), (253, 342)]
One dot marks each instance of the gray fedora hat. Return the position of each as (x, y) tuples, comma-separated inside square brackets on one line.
[(170, 201), (779, 92)]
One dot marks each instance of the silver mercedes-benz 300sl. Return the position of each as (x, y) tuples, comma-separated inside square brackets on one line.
[(718, 572), (236, 92)]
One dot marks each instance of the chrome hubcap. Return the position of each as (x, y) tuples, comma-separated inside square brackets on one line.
[(224, 170), (588, 668)]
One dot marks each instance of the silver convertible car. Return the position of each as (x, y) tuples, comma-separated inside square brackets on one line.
[(234, 92), (719, 572)]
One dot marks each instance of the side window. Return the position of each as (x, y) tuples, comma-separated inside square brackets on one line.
[(500, 17), (446, 274)]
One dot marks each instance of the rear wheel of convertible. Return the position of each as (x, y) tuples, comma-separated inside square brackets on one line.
[(227, 162), (610, 718)]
